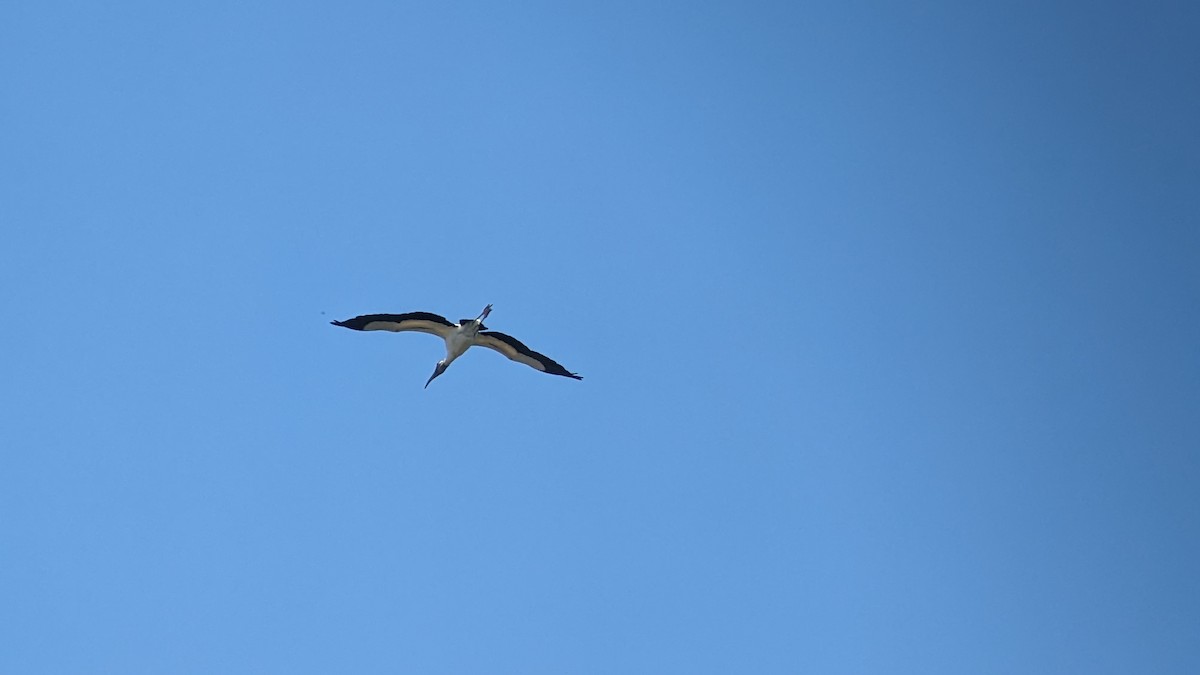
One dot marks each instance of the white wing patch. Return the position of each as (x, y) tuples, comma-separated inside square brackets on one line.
[(417, 325)]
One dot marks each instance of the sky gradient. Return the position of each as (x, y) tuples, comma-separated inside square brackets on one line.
[(887, 314)]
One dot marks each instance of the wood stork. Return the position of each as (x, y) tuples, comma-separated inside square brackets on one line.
[(459, 338)]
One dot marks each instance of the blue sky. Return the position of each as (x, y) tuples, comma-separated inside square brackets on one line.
[(886, 313)]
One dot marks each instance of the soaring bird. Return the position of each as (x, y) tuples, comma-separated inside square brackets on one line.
[(459, 338)]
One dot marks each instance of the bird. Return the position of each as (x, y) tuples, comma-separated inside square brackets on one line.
[(459, 338)]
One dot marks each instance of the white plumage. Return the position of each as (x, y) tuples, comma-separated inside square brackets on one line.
[(459, 337)]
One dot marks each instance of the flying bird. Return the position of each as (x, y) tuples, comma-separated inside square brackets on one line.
[(459, 338)]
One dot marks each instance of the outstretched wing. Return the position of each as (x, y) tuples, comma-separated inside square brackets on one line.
[(517, 351), (422, 322)]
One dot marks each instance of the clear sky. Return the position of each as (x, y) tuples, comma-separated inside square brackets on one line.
[(887, 314)]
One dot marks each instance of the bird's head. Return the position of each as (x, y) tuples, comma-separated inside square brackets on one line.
[(437, 370)]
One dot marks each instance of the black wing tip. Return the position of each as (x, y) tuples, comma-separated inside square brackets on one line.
[(552, 368), (346, 324)]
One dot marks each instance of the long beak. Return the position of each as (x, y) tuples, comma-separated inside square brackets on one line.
[(441, 368)]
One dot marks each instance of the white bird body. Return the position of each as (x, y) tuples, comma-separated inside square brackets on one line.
[(458, 337), (457, 343)]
